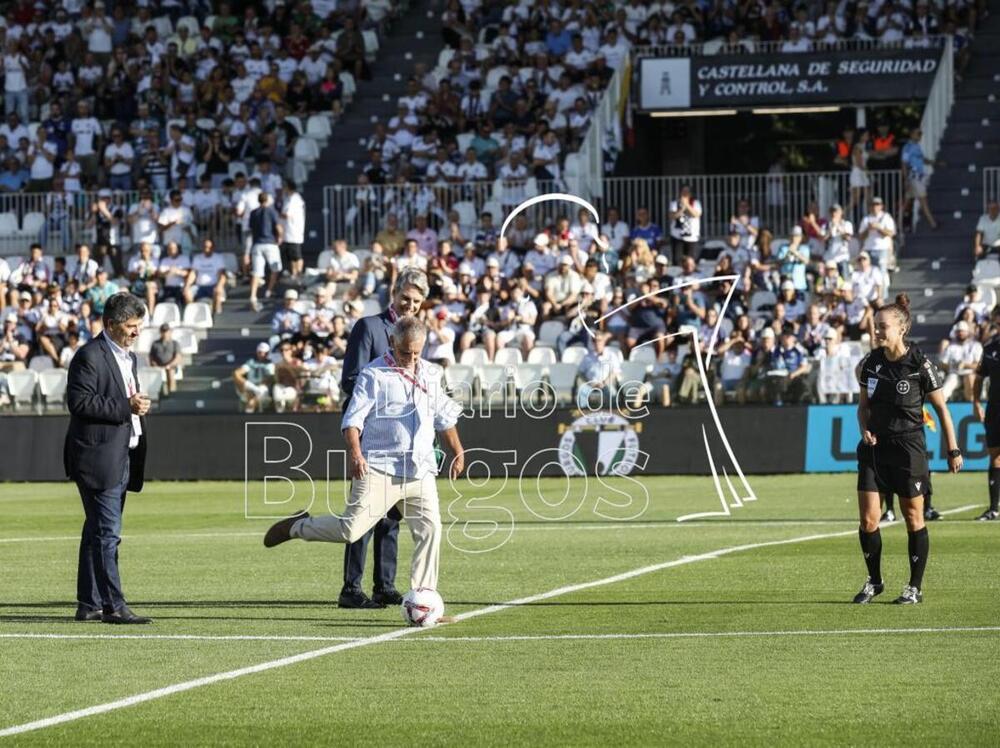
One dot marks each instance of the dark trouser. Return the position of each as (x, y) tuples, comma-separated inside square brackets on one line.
[(386, 534), (98, 585)]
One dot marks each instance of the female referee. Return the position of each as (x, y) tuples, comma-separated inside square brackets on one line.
[(895, 379)]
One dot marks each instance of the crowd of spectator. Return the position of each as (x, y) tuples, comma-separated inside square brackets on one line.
[(792, 330), (122, 96)]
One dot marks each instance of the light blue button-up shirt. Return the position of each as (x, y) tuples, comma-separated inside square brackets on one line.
[(398, 414)]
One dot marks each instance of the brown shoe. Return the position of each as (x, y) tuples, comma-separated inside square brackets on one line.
[(280, 531)]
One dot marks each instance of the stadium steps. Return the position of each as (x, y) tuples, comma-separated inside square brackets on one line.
[(936, 266), (208, 381), (400, 50)]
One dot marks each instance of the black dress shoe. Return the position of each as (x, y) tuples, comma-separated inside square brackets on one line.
[(932, 514), (388, 596), (281, 530), (124, 616), (356, 599), (87, 615)]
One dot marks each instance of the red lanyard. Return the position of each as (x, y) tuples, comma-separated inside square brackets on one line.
[(391, 362)]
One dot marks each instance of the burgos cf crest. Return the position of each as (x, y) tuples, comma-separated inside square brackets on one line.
[(599, 443)]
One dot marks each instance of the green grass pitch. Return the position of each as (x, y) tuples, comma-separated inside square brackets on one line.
[(786, 660)]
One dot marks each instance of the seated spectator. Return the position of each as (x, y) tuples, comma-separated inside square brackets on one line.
[(959, 358), (165, 353), (15, 346), (207, 277), (253, 380), (289, 374), (74, 342), (599, 374), (735, 356), (287, 321), (517, 321), (101, 291), (987, 239), (52, 326), (143, 275), (172, 274), (562, 289), (484, 319)]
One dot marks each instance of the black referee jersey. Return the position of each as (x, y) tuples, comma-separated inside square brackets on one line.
[(896, 392), (989, 368)]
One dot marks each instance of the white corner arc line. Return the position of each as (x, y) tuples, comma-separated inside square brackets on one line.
[(190, 685)]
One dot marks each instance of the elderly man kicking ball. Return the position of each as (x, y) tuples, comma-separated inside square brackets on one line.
[(389, 427)]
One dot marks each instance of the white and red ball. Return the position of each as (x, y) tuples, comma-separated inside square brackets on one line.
[(422, 607)]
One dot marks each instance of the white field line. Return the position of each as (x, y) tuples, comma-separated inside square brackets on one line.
[(551, 527), (190, 685), (520, 638)]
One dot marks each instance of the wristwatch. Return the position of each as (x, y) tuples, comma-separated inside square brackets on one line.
[(954, 453)]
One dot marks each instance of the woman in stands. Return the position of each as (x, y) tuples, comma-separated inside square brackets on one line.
[(896, 378)]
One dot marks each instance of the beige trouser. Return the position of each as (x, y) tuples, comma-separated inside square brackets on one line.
[(371, 498)]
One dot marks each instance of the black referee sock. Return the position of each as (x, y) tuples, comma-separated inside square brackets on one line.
[(919, 546), (994, 489), (871, 547)]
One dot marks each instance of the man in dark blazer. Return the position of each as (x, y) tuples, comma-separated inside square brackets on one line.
[(105, 453), (368, 340)]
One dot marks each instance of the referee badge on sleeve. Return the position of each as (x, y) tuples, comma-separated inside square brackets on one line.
[(872, 382)]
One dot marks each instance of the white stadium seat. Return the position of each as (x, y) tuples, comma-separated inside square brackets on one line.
[(460, 382), (8, 224), (198, 314), (646, 354), (52, 385), (574, 355), (507, 357), (151, 381), (474, 357), (40, 363), (146, 339), (32, 224), (550, 331), (544, 356), (187, 340), (166, 312), (21, 385), (306, 150), (562, 378)]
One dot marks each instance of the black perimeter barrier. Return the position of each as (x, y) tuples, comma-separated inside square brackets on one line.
[(761, 439)]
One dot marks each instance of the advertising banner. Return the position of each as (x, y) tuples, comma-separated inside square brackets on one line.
[(789, 79), (832, 438)]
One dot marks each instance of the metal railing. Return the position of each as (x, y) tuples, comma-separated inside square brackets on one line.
[(991, 184), (60, 221), (780, 200), (719, 46)]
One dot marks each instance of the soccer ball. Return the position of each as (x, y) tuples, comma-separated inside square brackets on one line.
[(422, 607)]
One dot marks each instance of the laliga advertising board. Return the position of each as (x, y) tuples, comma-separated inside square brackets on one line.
[(832, 438), (745, 81)]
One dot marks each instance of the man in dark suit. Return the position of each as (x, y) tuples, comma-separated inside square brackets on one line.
[(105, 453), (368, 340)]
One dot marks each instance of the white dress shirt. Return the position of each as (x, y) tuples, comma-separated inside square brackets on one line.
[(124, 360), (397, 413)]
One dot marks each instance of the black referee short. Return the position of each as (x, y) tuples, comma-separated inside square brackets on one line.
[(992, 424), (896, 465)]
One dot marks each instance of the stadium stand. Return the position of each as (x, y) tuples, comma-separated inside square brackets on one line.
[(123, 160)]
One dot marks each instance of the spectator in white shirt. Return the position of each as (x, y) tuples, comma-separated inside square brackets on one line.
[(959, 358), (293, 215), (43, 156), (207, 277), (118, 158), (545, 157), (584, 230), (343, 269), (177, 222), (143, 217), (987, 239), (15, 69), (877, 231), (173, 271), (86, 139)]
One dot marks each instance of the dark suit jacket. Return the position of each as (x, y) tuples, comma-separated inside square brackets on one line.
[(368, 340), (100, 423)]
